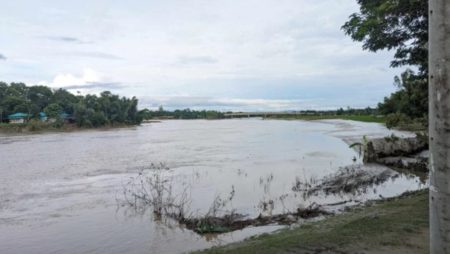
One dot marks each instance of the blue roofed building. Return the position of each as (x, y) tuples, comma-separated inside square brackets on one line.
[(18, 117), (42, 116)]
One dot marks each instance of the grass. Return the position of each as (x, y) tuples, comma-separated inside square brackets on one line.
[(398, 225), (361, 118)]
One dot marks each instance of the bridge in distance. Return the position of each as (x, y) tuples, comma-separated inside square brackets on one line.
[(261, 114)]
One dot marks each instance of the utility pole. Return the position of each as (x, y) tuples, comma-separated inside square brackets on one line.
[(439, 122)]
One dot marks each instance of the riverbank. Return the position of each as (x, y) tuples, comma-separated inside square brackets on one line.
[(396, 225), (43, 127)]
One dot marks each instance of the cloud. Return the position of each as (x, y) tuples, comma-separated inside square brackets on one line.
[(100, 55), (98, 85), (90, 81), (219, 52), (66, 39), (187, 60), (67, 79), (3, 57)]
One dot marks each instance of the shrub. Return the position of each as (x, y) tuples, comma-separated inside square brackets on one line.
[(36, 125), (397, 119)]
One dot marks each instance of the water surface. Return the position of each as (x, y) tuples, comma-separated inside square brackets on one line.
[(59, 191)]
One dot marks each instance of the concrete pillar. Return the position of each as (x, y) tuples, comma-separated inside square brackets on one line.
[(439, 117)]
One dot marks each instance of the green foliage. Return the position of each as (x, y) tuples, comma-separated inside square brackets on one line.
[(180, 114), (87, 111), (93, 111), (58, 123), (411, 99), (402, 26), (53, 110), (99, 119), (40, 97), (385, 24), (404, 122), (396, 119), (65, 100), (362, 115)]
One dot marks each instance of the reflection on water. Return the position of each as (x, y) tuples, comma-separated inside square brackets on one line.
[(59, 191)]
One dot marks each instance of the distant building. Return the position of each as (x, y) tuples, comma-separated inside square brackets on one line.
[(67, 118), (43, 117), (18, 118)]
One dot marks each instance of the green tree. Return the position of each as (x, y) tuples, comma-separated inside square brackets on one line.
[(64, 99), (3, 90), (400, 25), (88, 111), (410, 99), (98, 119), (12, 104), (40, 96), (80, 114), (53, 110)]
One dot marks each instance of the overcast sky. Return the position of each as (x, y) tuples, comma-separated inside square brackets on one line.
[(217, 54)]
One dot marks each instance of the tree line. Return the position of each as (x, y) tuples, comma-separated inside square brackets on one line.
[(181, 114), (87, 111)]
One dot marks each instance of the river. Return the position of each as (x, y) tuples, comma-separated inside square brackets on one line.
[(61, 192)]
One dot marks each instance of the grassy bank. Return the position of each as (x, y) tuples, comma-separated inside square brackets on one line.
[(398, 225), (38, 127), (361, 118)]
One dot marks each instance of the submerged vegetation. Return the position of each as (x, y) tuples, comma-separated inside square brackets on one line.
[(169, 197), (157, 189)]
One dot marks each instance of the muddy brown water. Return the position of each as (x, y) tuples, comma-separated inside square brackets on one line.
[(59, 191)]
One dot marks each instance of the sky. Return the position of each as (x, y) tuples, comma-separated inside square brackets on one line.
[(246, 55)]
